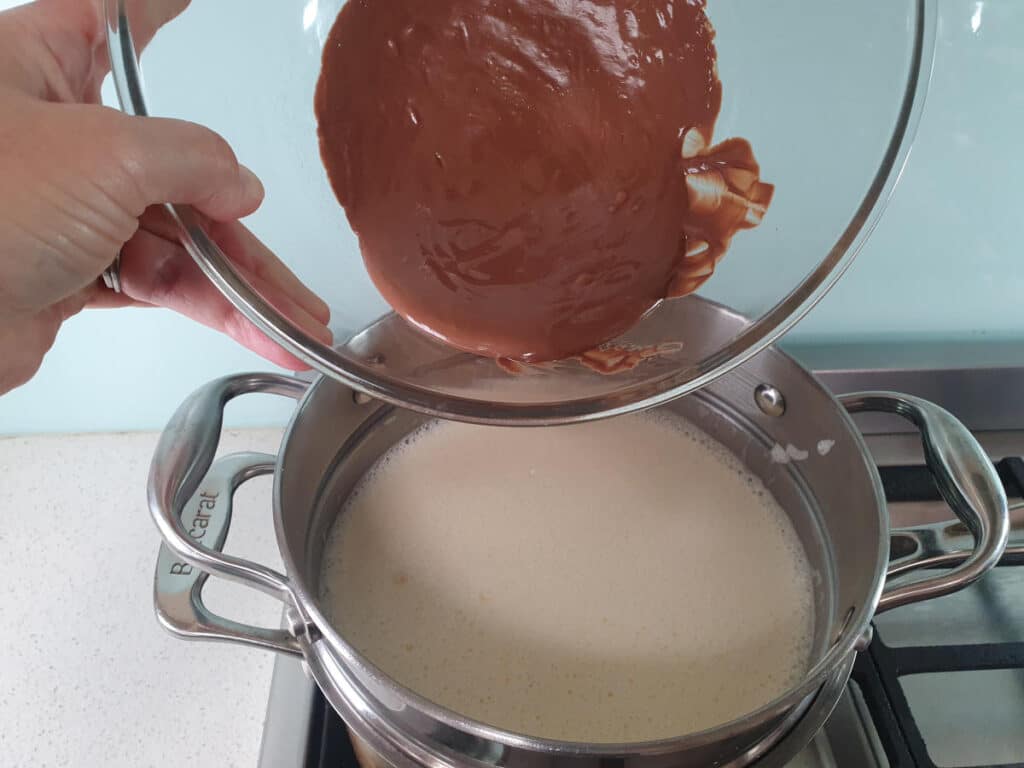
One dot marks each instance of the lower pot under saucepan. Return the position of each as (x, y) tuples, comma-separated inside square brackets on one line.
[(771, 413)]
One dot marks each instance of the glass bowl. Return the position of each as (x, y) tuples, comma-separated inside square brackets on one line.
[(828, 93)]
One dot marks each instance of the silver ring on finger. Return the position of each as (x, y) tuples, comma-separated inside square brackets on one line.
[(112, 274)]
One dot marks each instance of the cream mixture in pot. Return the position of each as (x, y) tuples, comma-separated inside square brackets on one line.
[(618, 581)]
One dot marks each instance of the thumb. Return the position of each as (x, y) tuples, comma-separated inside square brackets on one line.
[(147, 16), (174, 161), (71, 34)]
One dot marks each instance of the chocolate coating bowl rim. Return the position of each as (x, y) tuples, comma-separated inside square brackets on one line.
[(496, 408)]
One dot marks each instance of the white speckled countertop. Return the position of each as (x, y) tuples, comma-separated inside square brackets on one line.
[(87, 677)]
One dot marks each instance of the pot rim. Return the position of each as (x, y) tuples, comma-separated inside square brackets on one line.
[(839, 649), (779, 748)]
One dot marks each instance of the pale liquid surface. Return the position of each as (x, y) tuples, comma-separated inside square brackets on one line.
[(624, 580)]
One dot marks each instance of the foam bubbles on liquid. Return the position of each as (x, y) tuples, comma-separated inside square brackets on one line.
[(624, 580)]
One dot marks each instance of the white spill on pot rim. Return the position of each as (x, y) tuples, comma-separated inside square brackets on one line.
[(784, 455)]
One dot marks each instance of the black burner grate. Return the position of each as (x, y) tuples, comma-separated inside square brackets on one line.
[(329, 742), (879, 671)]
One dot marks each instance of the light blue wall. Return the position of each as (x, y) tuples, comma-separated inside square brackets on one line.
[(944, 265), (128, 370), (946, 260)]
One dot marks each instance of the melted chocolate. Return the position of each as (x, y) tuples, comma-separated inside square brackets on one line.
[(528, 178), (609, 359)]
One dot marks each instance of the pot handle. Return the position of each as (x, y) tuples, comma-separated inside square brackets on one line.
[(183, 459), (178, 585), (967, 481)]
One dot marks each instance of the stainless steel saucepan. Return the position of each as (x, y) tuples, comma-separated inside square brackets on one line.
[(770, 412)]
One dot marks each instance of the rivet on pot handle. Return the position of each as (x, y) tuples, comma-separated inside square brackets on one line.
[(967, 481), (183, 459), (178, 585)]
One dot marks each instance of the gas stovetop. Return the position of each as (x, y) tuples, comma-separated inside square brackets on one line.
[(942, 683)]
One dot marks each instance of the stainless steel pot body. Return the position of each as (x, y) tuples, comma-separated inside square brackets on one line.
[(771, 413)]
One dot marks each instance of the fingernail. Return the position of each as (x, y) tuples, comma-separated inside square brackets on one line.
[(251, 184), (292, 363), (319, 332), (320, 310), (325, 335)]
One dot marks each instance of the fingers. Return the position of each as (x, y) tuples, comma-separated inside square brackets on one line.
[(147, 16), (174, 161), (159, 272), (57, 51), (98, 296), (247, 251), (249, 336), (25, 340)]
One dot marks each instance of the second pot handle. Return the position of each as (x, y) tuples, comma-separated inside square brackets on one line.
[(967, 481), (182, 459), (178, 585)]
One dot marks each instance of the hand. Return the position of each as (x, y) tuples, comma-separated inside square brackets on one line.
[(80, 183)]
